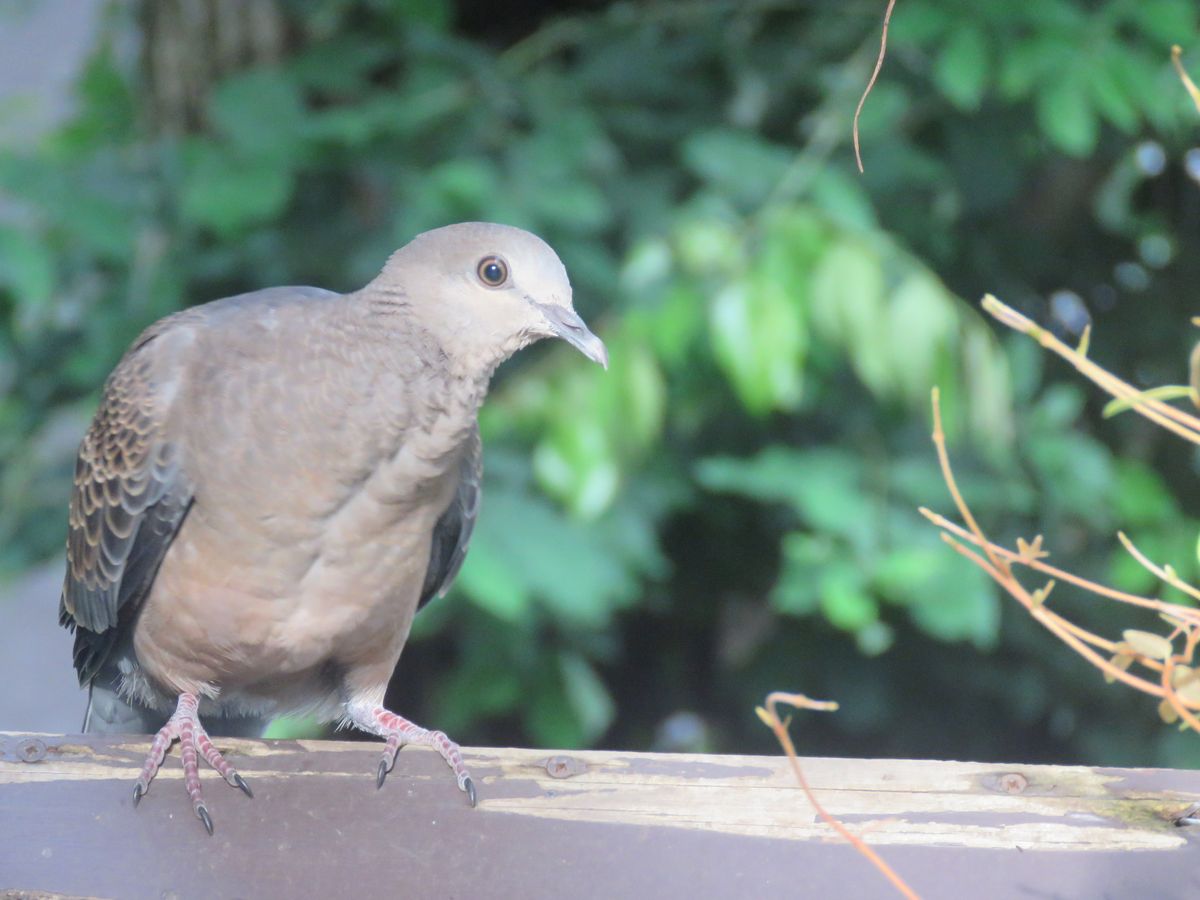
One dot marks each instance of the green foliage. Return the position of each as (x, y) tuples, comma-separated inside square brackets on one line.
[(731, 508), (857, 551), (1080, 66)]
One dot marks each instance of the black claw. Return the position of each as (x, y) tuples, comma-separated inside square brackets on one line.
[(381, 774), (138, 791), (469, 787), (202, 812), (240, 782)]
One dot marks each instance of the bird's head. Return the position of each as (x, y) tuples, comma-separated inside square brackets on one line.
[(485, 291)]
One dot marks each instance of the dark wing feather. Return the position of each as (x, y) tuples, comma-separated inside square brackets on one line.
[(129, 500), (453, 530)]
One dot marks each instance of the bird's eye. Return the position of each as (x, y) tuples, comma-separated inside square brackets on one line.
[(492, 271)]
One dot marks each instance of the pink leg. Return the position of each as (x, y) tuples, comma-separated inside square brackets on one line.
[(194, 741), (399, 731)]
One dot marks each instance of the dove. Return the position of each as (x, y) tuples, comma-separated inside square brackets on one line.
[(276, 482)]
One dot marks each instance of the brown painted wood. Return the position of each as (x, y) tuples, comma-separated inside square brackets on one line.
[(611, 825)]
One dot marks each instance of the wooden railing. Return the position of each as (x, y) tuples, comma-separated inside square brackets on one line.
[(580, 824)]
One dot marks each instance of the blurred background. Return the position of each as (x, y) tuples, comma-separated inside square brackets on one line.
[(731, 509)]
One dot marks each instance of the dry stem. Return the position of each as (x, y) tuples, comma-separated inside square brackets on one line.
[(1155, 654), (887, 20), (771, 718), (1176, 53), (1169, 417)]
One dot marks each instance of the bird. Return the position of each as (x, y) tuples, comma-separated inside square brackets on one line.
[(274, 484)]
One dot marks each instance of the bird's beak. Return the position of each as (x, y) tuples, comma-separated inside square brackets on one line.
[(566, 324)]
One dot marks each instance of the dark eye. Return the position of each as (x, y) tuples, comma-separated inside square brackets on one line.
[(492, 271)]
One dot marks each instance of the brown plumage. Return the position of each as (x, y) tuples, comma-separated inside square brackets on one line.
[(274, 484)]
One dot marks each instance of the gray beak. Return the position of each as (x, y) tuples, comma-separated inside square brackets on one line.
[(566, 324)]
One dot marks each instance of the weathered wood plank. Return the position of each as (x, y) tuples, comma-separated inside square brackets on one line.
[(613, 825)]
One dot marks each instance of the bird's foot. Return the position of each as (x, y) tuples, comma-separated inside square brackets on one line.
[(399, 731), (184, 726)]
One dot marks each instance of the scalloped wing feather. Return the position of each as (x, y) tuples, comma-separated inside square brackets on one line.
[(129, 499)]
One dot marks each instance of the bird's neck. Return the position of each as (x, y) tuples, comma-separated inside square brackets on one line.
[(424, 401), (467, 350)]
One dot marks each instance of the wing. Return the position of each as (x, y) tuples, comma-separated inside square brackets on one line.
[(453, 530), (129, 499)]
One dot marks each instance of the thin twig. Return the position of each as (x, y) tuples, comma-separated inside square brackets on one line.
[(1186, 613), (887, 19), (939, 443), (1164, 575), (995, 562), (1176, 53), (1052, 623), (770, 717), (1169, 417)]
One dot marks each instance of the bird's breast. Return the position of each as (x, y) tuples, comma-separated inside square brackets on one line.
[(307, 542), (245, 599)]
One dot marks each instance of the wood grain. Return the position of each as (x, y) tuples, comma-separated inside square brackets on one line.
[(581, 824)]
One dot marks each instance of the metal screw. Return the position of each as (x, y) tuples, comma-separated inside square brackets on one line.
[(564, 766), (1013, 783), (31, 750)]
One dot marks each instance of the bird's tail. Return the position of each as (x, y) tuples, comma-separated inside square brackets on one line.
[(110, 713)]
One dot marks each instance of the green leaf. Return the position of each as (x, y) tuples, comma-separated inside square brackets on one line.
[(1166, 21), (904, 574), (95, 204), (958, 603), (466, 182), (922, 24), (924, 312), (549, 713), (1059, 407), (628, 402), (804, 557), (261, 113), (758, 340), (961, 70), (588, 697), (577, 206), (531, 550), (677, 326), (984, 368), (709, 246), (1026, 64), (647, 266), (108, 111), (492, 583), (435, 14), (1140, 495), (1066, 116), (488, 678), (737, 162), (1078, 473), (844, 598), (340, 65), (1150, 85), (1113, 97), (227, 194), (848, 308), (843, 199), (26, 269), (575, 463), (823, 486)]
